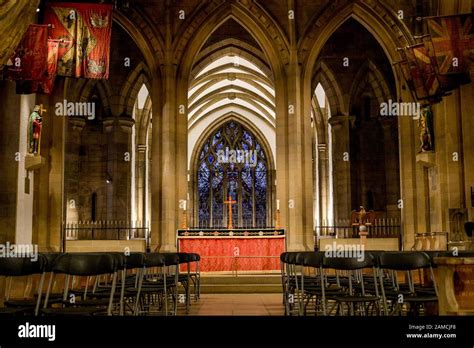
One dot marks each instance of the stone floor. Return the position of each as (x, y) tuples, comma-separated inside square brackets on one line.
[(238, 304)]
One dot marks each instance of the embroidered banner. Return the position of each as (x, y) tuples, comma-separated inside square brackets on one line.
[(453, 42), (46, 83), (420, 73), (30, 59), (85, 32)]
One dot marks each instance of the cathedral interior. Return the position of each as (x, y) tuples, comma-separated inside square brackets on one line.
[(279, 125)]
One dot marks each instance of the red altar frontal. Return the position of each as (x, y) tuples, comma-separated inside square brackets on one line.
[(234, 250)]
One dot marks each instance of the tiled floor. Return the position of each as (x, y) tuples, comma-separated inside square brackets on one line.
[(238, 304)]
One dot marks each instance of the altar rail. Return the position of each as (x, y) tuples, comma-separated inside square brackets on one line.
[(382, 228), (107, 230)]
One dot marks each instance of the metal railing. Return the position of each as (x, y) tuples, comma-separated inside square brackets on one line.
[(107, 230), (382, 228)]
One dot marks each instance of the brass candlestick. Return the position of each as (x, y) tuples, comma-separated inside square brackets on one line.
[(277, 219), (184, 225)]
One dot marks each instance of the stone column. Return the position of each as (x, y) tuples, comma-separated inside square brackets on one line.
[(49, 188), (141, 177), (10, 159), (294, 167), (119, 155), (72, 169), (392, 168), (340, 126), (169, 153), (323, 167)]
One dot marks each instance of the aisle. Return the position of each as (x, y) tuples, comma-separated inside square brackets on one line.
[(238, 304)]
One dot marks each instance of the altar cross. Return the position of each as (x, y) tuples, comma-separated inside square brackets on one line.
[(229, 203)]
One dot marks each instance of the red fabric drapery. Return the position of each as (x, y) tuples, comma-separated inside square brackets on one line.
[(30, 59), (85, 32), (241, 254)]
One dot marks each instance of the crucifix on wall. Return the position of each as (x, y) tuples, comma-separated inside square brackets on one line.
[(229, 203)]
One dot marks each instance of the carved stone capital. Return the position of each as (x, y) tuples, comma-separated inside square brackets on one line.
[(77, 123)]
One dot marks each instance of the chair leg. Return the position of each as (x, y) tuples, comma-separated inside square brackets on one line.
[(40, 290)]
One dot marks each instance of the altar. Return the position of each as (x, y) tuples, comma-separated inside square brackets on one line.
[(225, 250)]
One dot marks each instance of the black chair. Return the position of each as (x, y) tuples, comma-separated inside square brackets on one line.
[(185, 278), (292, 269), (409, 293), (171, 278), (15, 267), (313, 283), (83, 300), (133, 270), (353, 293), (154, 284), (196, 275)]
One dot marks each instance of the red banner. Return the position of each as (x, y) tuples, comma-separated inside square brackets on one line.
[(30, 60), (48, 81), (84, 31)]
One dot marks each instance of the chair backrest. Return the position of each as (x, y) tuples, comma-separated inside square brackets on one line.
[(21, 266), (49, 260), (119, 259), (291, 257), (184, 257), (154, 260), (85, 264), (404, 260), (349, 263), (300, 256), (171, 259), (135, 260), (193, 257), (314, 259)]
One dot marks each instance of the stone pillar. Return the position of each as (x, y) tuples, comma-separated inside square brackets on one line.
[(141, 177), (49, 188), (119, 155), (169, 154), (72, 169), (297, 178), (392, 168), (294, 167), (323, 167), (340, 126), (9, 135)]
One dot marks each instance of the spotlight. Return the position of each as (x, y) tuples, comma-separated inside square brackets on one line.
[(108, 178)]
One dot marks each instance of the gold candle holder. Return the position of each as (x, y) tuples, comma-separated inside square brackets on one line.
[(277, 219), (184, 224)]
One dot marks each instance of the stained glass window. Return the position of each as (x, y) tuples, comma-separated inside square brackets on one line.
[(232, 163)]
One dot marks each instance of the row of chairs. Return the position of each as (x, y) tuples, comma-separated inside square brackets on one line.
[(380, 283), (102, 283)]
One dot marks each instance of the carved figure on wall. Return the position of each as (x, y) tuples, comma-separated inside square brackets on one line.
[(426, 131), (35, 123)]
